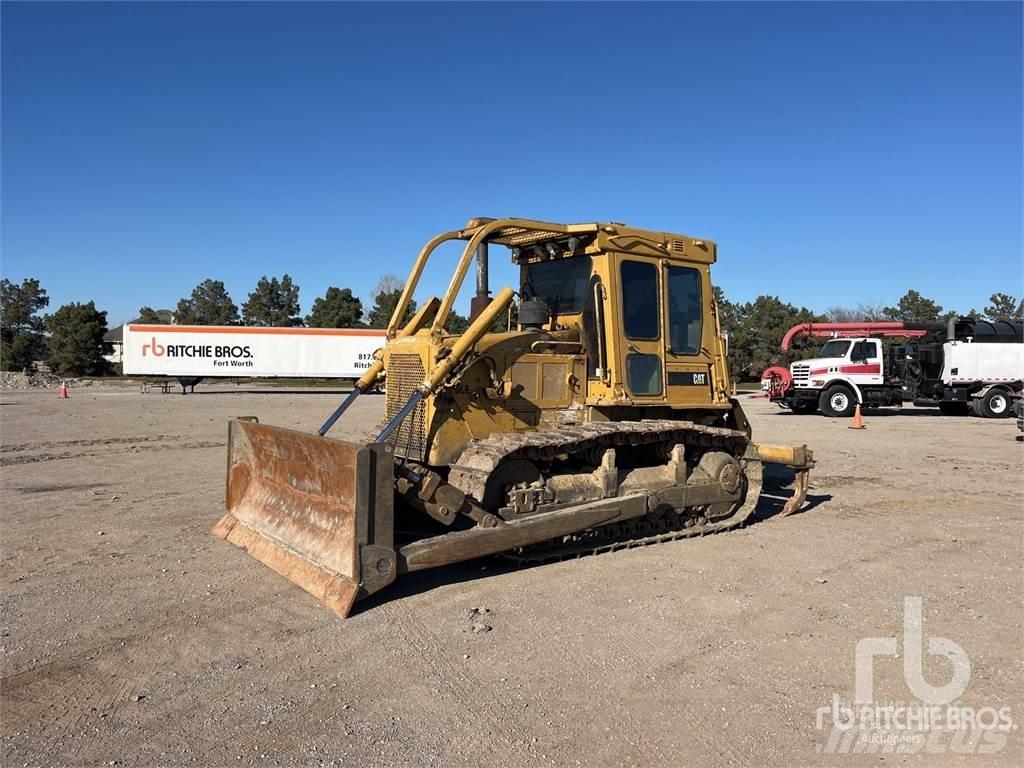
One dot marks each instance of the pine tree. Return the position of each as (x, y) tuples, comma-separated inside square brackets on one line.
[(209, 304), (1005, 308), (21, 327), (76, 340), (915, 308), (337, 308), (274, 303)]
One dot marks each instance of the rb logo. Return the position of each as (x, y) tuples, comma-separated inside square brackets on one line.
[(156, 349), (913, 647)]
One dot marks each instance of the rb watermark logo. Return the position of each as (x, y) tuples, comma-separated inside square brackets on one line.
[(933, 723)]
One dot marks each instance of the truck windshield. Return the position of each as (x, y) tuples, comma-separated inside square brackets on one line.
[(835, 348), (560, 283)]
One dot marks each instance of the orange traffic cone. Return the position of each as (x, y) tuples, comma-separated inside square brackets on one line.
[(858, 422), (63, 391)]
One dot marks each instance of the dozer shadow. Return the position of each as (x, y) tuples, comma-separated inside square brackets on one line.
[(776, 491), (273, 391), (934, 413)]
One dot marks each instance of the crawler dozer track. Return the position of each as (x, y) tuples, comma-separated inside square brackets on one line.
[(481, 459), (478, 462)]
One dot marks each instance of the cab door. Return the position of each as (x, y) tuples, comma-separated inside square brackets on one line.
[(687, 359), (865, 364), (642, 353)]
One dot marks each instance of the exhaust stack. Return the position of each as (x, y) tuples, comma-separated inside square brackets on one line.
[(483, 293)]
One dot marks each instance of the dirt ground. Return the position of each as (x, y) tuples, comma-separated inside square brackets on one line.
[(130, 636)]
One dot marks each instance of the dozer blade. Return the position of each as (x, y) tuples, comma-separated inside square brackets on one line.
[(318, 511)]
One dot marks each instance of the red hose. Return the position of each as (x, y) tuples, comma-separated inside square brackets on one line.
[(780, 380)]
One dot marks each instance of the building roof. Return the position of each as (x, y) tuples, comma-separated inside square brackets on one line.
[(116, 335), (166, 317)]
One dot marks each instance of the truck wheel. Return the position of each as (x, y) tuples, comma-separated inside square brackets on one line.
[(804, 406), (837, 402), (995, 404), (953, 409)]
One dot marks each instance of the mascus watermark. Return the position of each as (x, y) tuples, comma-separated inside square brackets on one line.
[(932, 723)]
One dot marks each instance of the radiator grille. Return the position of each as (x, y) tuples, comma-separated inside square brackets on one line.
[(404, 374), (801, 374)]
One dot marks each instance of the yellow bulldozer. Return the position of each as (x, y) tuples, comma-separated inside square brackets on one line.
[(586, 412)]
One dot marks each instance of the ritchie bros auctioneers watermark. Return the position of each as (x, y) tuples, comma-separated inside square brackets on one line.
[(930, 723)]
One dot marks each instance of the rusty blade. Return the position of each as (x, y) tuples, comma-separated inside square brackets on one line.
[(291, 505)]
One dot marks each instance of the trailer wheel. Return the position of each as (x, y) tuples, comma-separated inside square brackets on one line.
[(837, 402), (995, 404)]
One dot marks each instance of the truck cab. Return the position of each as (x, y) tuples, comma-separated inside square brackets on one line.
[(845, 372)]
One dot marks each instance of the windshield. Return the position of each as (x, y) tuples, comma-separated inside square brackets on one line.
[(561, 283), (835, 349)]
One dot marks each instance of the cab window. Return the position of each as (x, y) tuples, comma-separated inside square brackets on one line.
[(835, 349), (865, 350), (561, 283), (684, 310), (643, 374), (640, 300)]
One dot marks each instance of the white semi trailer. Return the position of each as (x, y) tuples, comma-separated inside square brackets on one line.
[(191, 353)]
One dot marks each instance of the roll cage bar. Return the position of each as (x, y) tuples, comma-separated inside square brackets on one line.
[(508, 232)]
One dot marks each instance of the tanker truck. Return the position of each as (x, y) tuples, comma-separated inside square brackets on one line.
[(963, 366)]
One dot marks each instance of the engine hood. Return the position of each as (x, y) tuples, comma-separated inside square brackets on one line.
[(818, 362)]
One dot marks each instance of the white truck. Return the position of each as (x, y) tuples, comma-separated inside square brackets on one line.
[(191, 353), (978, 365)]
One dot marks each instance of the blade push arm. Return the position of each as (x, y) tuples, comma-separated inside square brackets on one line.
[(368, 379), (440, 372)]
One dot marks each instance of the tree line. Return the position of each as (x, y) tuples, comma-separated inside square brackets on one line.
[(275, 303), (71, 339)]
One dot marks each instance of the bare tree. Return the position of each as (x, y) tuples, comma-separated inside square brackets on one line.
[(388, 283), (862, 313), (386, 294), (871, 312), (843, 315)]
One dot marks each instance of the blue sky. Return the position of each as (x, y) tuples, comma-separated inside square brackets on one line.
[(838, 153)]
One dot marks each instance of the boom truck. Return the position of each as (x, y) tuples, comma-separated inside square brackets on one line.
[(960, 366), (602, 420)]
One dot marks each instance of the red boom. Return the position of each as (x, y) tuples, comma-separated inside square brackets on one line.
[(845, 330)]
